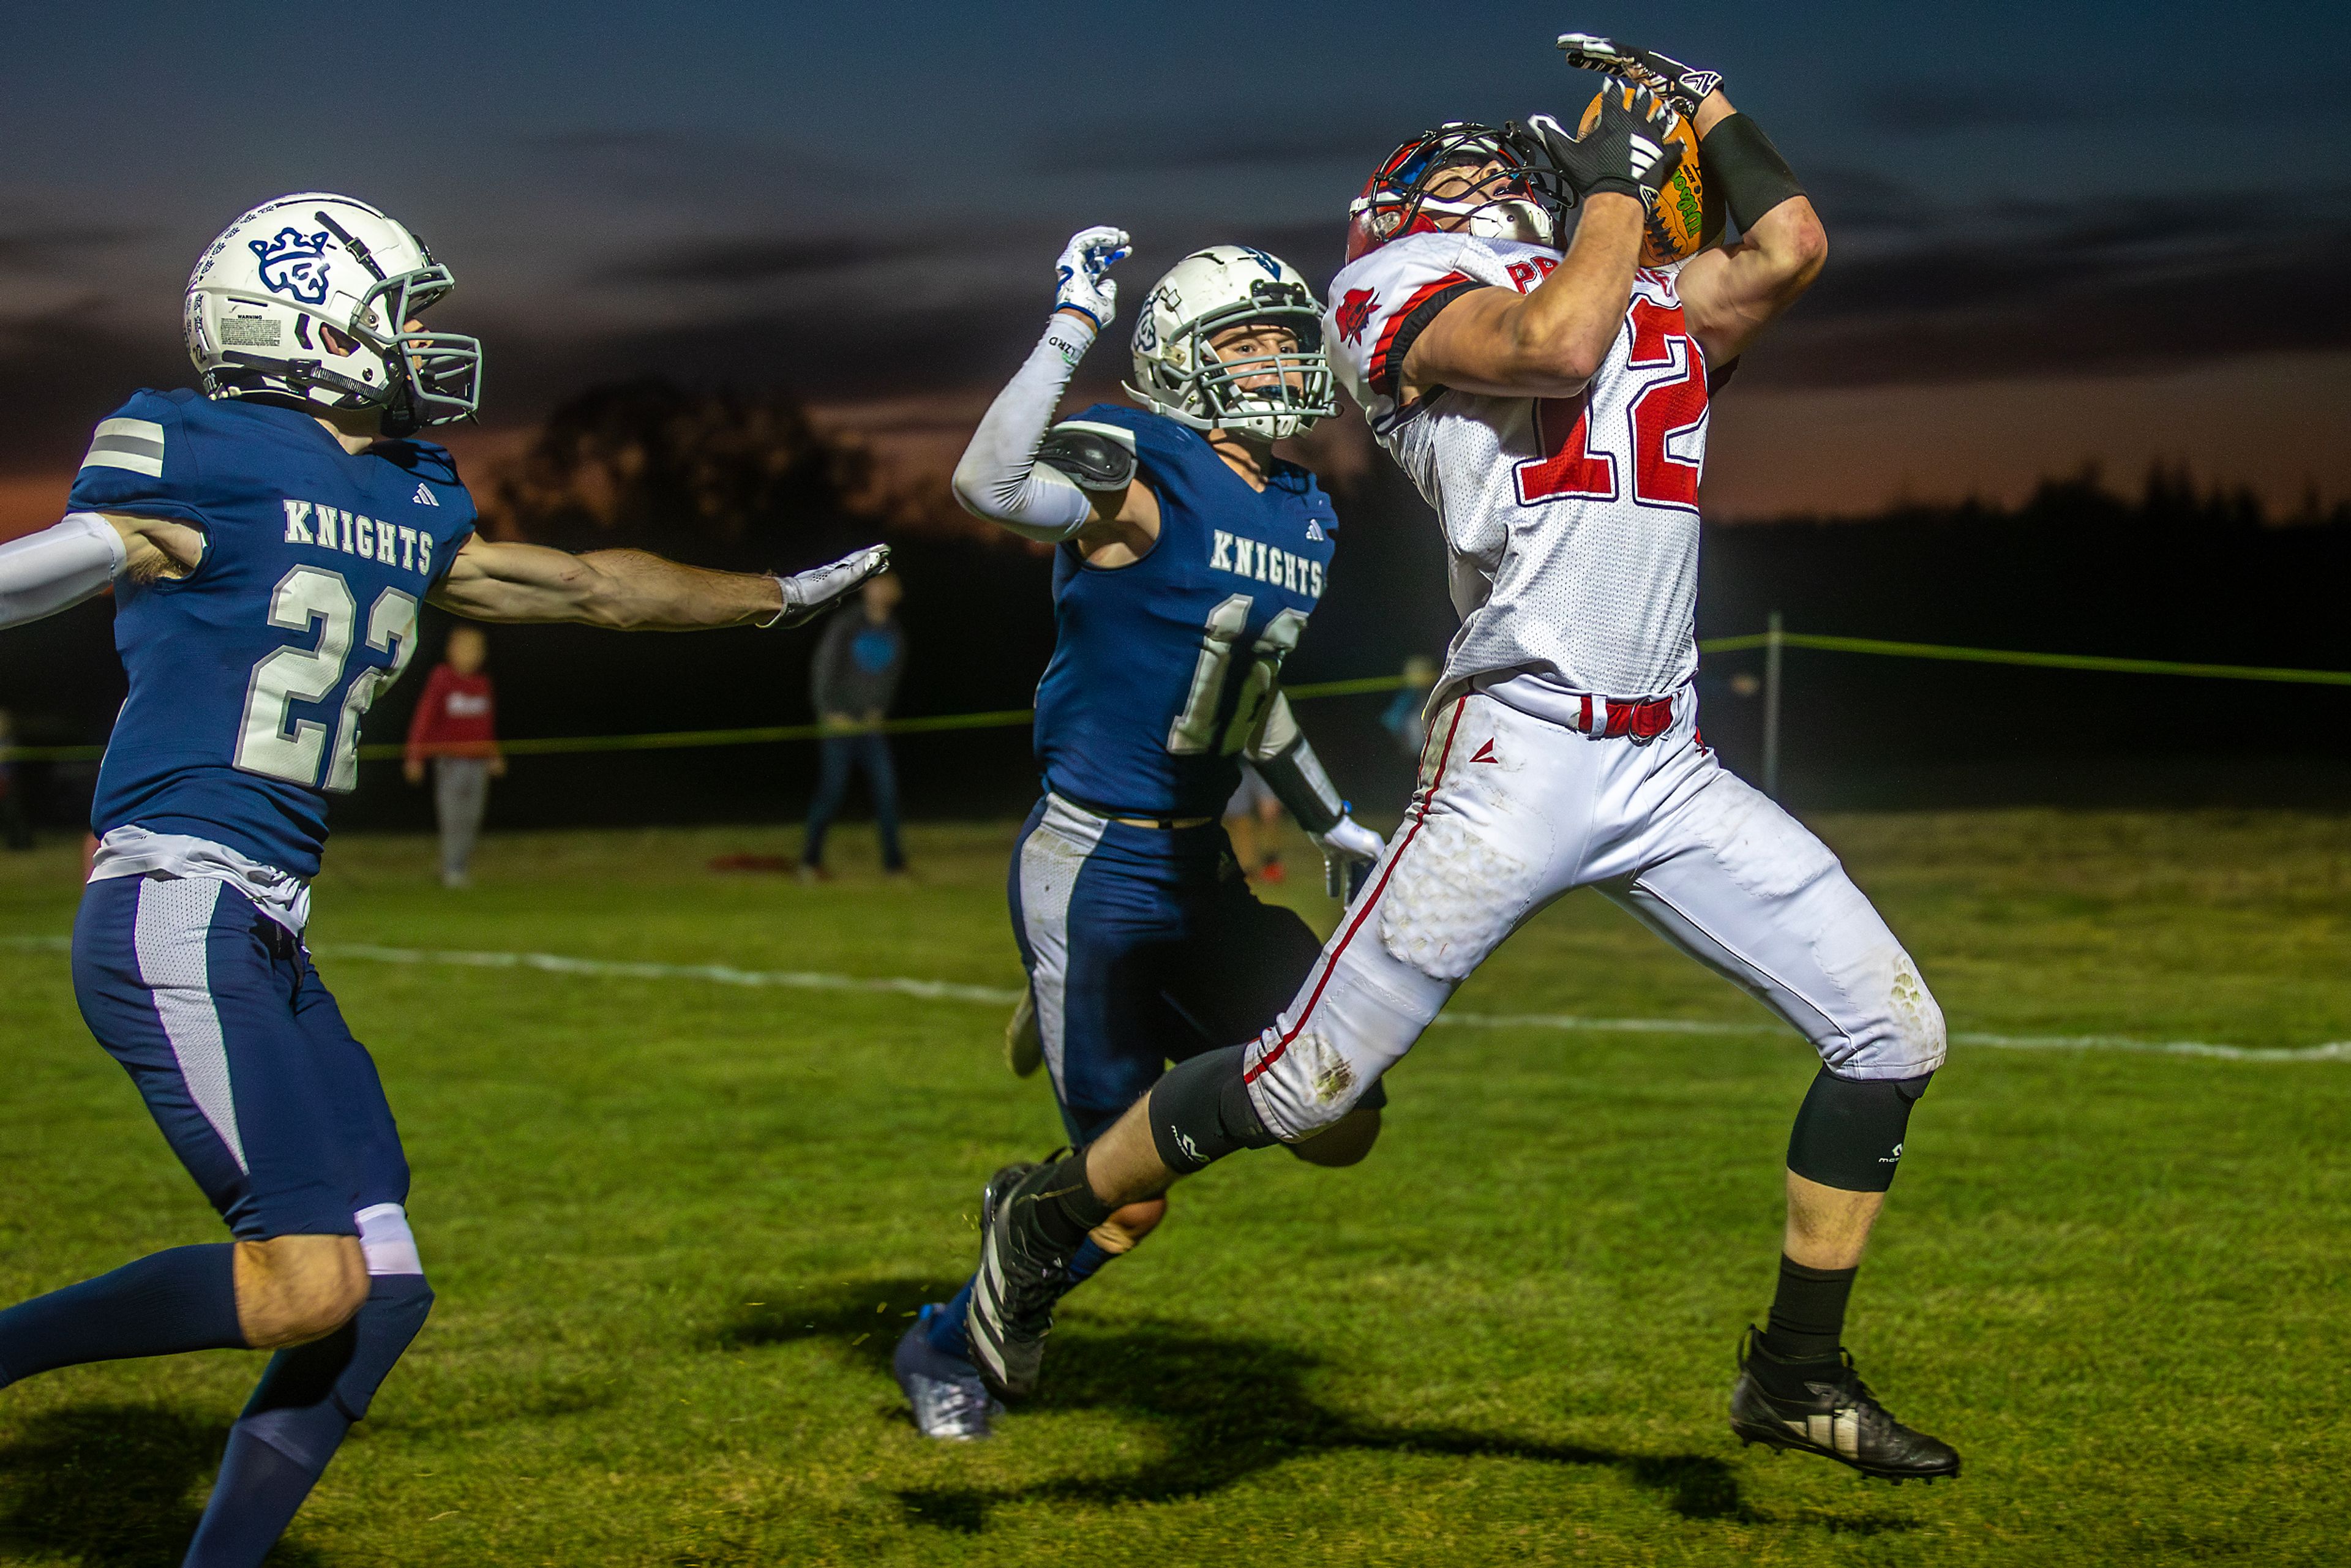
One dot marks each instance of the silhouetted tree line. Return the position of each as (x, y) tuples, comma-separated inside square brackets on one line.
[(747, 481)]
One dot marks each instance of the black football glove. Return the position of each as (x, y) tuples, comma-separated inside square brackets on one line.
[(1683, 87), (1625, 152)]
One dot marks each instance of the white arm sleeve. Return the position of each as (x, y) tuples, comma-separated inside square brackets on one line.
[(57, 568), (999, 477)]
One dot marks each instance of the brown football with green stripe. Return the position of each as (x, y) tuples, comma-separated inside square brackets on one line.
[(1687, 218)]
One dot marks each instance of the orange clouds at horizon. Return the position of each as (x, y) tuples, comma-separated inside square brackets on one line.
[(2275, 424)]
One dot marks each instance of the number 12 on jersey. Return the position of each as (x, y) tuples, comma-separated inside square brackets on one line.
[(1195, 728)]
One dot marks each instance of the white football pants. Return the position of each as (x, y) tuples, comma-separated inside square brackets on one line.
[(1512, 813)]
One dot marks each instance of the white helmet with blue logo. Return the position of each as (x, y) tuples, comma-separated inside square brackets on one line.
[(1179, 373), (308, 301)]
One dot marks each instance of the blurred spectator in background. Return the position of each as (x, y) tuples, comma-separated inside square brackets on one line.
[(1253, 808), (855, 680), (455, 727), (1405, 718), (15, 827)]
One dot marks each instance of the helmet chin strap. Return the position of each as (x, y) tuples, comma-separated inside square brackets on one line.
[(1512, 217), (1504, 217)]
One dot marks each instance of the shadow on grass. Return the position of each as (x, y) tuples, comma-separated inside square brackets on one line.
[(1231, 1406), (111, 1484)]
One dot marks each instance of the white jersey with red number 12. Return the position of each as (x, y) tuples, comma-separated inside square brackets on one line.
[(1572, 522)]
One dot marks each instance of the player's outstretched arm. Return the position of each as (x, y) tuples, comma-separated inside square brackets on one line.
[(1551, 342), (1082, 484), (1730, 294), (635, 591), (79, 556)]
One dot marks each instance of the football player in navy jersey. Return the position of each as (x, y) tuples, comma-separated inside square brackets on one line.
[(1188, 559), (269, 539)]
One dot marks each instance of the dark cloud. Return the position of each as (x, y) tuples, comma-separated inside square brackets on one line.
[(42, 248), (669, 166), (1940, 106), (63, 371), (1852, 198), (1170, 145), (770, 258), (2134, 284)]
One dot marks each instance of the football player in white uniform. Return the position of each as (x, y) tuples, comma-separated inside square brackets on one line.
[(1551, 404)]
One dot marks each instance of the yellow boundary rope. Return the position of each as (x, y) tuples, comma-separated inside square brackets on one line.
[(1006, 719)]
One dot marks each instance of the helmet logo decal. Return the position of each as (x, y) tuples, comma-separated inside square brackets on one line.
[(294, 264), (1354, 313), (1273, 268)]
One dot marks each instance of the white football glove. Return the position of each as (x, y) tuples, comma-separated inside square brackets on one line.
[(1086, 285), (807, 592), (1681, 88), (1349, 850)]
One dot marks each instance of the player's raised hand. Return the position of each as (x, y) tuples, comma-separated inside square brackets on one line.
[(1626, 152), (1086, 286), (807, 592), (1682, 86)]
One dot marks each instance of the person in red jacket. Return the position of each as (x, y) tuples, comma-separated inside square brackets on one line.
[(457, 726)]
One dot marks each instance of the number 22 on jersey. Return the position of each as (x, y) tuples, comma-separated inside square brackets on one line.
[(305, 597)]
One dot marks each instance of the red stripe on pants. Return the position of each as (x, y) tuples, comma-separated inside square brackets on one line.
[(1270, 1057)]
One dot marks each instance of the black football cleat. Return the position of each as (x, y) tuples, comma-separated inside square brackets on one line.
[(1021, 1275), (1838, 1419)]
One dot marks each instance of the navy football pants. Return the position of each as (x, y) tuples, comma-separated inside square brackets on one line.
[(1143, 946), (241, 1053)]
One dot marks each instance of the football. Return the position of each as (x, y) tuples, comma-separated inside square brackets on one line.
[(1687, 218)]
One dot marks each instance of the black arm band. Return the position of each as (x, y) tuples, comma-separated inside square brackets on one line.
[(1296, 777), (1739, 162)]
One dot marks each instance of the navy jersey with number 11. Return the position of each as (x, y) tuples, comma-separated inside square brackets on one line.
[(1162, 669), (249, 675)]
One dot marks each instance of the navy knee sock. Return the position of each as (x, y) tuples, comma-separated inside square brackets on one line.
[(946, 1324), (297, 1418), (183, 1298)]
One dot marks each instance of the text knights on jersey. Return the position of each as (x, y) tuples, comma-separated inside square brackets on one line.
[(1262, 562), (387, 544)]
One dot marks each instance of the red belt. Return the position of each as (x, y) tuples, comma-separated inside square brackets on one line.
[(1640, 722)]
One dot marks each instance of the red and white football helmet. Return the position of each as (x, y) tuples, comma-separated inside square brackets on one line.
[(1520, 200)]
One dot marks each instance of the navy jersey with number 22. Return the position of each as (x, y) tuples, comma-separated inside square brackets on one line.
[(1162, 669), (249, 675)]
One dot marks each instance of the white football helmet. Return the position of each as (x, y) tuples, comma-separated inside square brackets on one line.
[(1177, 373), (307, 299)]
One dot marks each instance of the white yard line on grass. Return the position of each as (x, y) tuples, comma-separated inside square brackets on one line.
[(997, 995)]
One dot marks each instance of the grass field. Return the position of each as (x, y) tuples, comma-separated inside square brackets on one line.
[(675, 1226)]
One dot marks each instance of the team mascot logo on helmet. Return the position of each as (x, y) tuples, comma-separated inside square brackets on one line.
[(294, 264)]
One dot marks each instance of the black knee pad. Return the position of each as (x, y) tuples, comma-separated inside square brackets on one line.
[(1200, 1112), (1849, 1132)]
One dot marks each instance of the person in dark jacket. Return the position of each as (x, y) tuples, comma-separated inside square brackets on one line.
[(855, 680)]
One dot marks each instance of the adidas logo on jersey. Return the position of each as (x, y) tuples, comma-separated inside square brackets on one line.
[(424, 495), (1314, 531), (1260, 561)]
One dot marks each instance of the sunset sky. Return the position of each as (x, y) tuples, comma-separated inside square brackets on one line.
[(2060, 231)]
